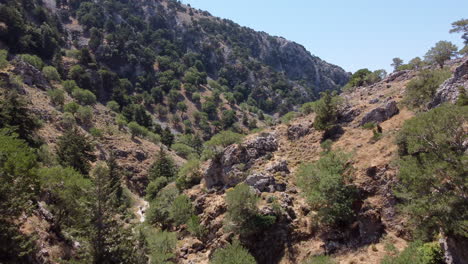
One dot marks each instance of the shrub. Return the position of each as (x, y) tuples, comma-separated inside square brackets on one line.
[(319, 260), (308, 108), (69, 86), (113, 105), (181, 210), (154, 187), (417, 252), (51, 73), (96, 132), (121, 121), (241, 205), (189, 174), (3, 58), (33, 60), (326, 112), (153, 137), (161, 246), (183, 150), (462, 97), (71, 108), (85, 115), (220, 141), (68, 120), (159, 210), (137, 130), (232, 254), (323, 185), (195, 228), (369, 125), (84, 97), (288, 117), (57, 97), (432, 157), (421, 90)]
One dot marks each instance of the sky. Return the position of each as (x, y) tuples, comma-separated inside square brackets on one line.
[(351, 34)]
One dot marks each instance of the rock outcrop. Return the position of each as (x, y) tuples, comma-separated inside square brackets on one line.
[(449, 90), (229, 167), (297, 131), (381, 114), (31, 75)]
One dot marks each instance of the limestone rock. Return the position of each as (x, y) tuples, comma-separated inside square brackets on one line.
[(381, 114), (297, 131), (31, 75), (448, 91)]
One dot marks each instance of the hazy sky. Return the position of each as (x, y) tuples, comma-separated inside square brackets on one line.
[(352, 34)]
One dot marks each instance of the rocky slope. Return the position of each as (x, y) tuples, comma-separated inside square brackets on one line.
[(270, 159)]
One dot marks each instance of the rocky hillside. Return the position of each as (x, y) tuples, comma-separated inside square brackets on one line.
[(183, 64)]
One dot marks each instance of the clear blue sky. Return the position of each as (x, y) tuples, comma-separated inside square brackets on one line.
[(352, 34)]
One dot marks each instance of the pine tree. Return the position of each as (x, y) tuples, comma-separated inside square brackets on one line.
[(114, 183), (74, 150), (167, 138), (15, 116), (325, 112), (162, 167)]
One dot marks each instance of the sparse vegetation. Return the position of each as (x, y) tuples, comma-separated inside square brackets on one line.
[(421, 90), (233, 254), (326, 187)]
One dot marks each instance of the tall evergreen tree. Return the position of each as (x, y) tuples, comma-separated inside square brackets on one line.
[(15, 116), (167, 138), (114, 183), (75, 150), (163, 167)]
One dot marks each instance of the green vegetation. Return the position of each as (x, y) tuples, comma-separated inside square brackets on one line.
[(57, 97), (75, 150), (218, 142), (364, 77), (18, 185), (326, 110), (51, 73), (189, 174), (233, 254), (319, 260), (397, 62), (433, 171), (441, 52), (84, 97), (181, 210), (33, 60), (421, 90), (3, 58), (324, 184), (418, 253)]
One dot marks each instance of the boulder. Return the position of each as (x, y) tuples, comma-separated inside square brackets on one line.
[(280, 166), (261, 182), (397, 76), (454, 248), (348, 114), (449, 90), (229, 167), (31, 75), (381, 114), (297, 131)]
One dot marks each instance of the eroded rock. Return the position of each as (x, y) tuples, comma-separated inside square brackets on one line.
[(30, 75), (381, 114), (449, 90)]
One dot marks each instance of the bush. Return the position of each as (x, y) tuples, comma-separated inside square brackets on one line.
[(33, 60), (96, 132), (326, 111), (432, 157), (195, 228), (233, 254), (323, 185), (3, 58), (181, 210), (286, 118), (163, 166), (85, 115), (113, 105), (57, 97), (136, 130), (69, 86), (71, 108), (51, 73), (84, 97), (319, 260), (161, 246), (68, 121), (419, 253), (422, 89), (241, 205), (189, 174), (75, 150), (183, 150), (159, 210), (369, 125), (154, 187), (220, 141), (308, 108)]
